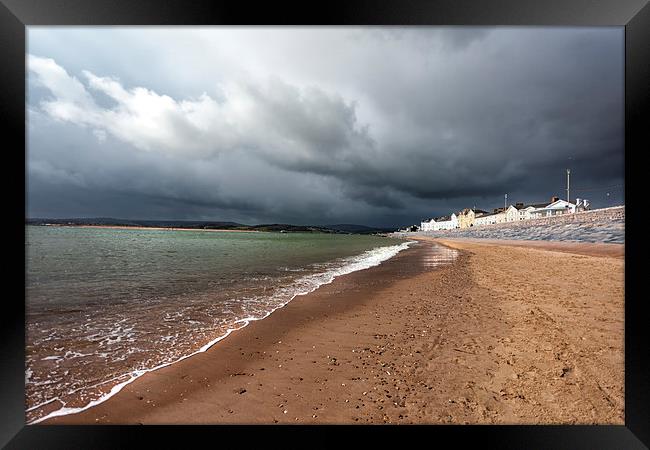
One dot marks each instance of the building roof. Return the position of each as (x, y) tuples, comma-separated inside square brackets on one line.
[(550, 206), (536, 205), (561, 201), (488, 214)]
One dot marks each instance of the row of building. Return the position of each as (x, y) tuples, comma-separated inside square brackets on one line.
[(470, 217)]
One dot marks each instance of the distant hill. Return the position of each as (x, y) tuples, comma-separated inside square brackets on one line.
[(109, 221), (198, 224), (359, 229), (289, 228)]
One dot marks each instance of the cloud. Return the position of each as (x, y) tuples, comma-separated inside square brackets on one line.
[(71, 100), (138, 116), (331, 124), (275, 119)]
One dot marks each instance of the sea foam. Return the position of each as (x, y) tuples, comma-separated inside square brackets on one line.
[(301, 286)]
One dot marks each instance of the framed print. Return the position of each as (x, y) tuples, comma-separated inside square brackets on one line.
[(368, 215)]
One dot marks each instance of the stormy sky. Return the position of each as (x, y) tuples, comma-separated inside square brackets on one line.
[(377, 126)]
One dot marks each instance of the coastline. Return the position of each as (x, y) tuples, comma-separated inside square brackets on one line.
[(399, 342), (362, 261), (124, 227)]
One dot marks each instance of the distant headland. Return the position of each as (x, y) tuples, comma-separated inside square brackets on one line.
[(196, 225)]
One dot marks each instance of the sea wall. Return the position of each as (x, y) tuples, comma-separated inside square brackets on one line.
[(598, 225), (594, 216)]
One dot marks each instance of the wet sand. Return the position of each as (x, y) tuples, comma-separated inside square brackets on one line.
[(507, 334)]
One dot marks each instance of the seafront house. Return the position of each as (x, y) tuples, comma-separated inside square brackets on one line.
[(555, 208), (471, 217), (440, 223), (525, 211), (485, 219), (512, 213), (446, 223), (500, 215), (466, 217), (426, 225)]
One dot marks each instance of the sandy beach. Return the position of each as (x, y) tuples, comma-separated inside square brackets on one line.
[(510, 333)]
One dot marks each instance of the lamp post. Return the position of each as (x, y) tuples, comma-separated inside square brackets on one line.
[(568, 198), (505, 202)]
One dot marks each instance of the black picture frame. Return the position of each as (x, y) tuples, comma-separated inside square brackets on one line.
[(634, 15)]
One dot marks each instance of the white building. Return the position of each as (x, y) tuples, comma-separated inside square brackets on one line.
[(447, 223), (500, 217), (440, 223), (485, 219), (427, 225), (512, 214), (519, 211), (553, 209), (525, 211)]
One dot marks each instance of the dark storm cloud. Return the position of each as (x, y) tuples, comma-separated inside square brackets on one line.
[(385, 126)]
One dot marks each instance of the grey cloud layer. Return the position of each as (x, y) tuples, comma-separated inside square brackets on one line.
[(319, 126)]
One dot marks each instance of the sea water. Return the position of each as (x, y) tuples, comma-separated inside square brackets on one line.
[(104, 306)]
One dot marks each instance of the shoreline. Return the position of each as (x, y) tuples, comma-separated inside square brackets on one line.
[(257, 368), (65, 411), (127, 227)]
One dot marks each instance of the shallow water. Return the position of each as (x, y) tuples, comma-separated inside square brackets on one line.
[(105, 305)]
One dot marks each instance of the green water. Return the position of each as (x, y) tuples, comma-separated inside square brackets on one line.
[(103, 304)]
